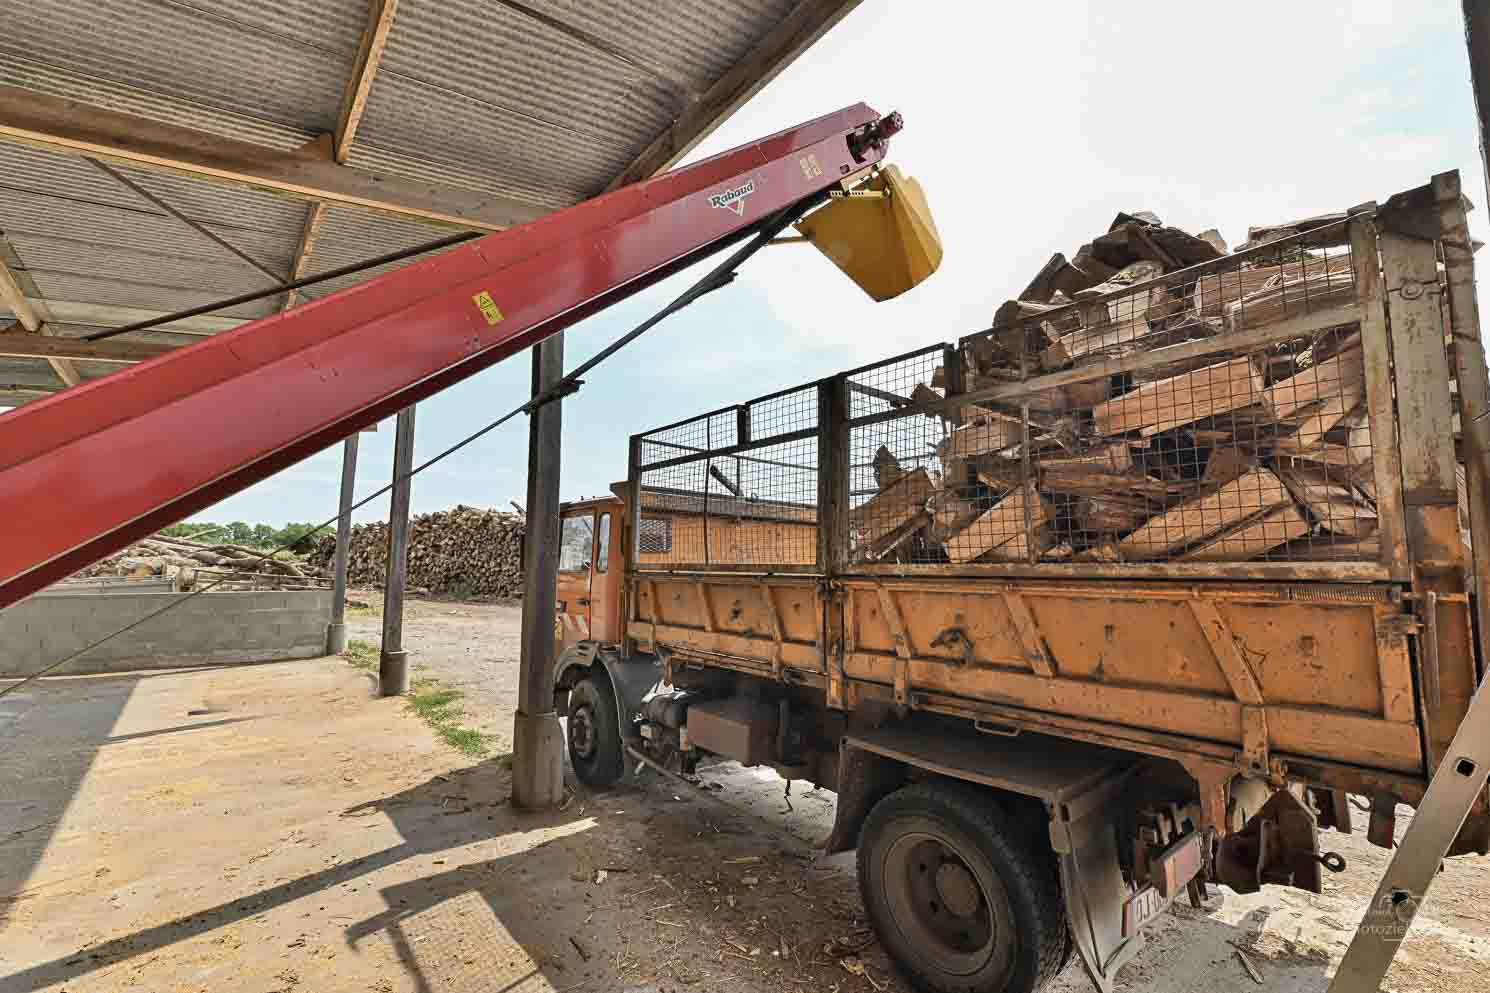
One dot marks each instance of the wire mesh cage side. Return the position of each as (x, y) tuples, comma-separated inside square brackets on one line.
[(734, 488), (1212, 414)]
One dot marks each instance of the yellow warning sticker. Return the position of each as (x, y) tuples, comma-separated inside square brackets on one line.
[(488, 307)]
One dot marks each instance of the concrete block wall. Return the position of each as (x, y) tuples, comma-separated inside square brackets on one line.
[(209, 628)]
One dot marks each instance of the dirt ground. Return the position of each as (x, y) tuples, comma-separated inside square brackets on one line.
[(279, 829)]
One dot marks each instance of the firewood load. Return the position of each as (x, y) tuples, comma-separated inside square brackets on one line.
[(462, 552), (1261, 451), (193, 564)]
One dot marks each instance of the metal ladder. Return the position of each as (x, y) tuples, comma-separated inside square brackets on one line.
[(1451, 793)]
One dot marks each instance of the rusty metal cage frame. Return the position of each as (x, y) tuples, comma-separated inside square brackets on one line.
[(885, 396)]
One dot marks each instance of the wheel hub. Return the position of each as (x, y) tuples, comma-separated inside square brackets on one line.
[(958, 889), (582, 731)]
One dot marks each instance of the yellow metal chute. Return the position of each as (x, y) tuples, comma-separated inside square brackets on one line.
[(885, 241)]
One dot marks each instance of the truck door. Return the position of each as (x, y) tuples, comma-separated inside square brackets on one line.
[(576, 567), (605, 581)]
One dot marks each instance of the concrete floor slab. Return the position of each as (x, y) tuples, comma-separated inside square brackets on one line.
[(275, 828)]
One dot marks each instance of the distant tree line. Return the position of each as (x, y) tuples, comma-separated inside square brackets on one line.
[(239, 533)]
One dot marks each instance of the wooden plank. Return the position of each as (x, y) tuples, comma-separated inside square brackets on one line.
[(1253, 538), (1002, 523), (364, 68), (1424, 407), (1206, 515), (20, 344), (1380, 401), (1181, 399), (71, 126), (798, 31)]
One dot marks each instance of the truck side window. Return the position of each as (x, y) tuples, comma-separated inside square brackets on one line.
[(575, 541), (602, 544)]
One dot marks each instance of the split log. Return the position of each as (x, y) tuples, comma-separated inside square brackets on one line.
[(1181, 399), (886, 468), (891, 508), (1205, 516), (1287, 297), (990, 432), (1108, 469), (1252, 538), (1113, 512), (1225, 464), (998, 525), (1330, 382), (1330, 500)]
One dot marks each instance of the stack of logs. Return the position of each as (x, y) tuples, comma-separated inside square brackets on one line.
[(193, 563), (462, 552), (1259, 451)]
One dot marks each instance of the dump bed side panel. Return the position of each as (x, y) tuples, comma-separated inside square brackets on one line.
[(1254, 669)]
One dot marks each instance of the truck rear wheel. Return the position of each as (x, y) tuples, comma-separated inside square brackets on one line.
[(594, 731), (960, 900)]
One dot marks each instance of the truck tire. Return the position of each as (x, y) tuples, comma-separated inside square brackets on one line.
[(962, 901), (594, 731)]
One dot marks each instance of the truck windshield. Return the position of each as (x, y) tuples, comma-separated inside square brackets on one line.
[(575, 542)]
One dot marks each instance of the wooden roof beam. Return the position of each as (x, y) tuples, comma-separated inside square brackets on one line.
[(314, 215), (797, 32), (59, 124), (359, 84), (20, 305), (23, 345)]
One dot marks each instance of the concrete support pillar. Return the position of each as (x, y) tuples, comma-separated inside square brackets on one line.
[(393, 666), (336, 631), (537, 739)]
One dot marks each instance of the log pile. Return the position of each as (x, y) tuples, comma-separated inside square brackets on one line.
[(1257, 451), (462, 552), (194, 563)]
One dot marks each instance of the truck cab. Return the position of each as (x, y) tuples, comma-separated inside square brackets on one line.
[(590, 572)]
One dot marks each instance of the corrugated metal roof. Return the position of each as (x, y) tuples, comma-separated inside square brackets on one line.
[(544, 101)]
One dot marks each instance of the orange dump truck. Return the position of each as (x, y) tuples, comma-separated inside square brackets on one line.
[(1086, 612)]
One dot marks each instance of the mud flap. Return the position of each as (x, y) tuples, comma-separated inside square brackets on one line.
[(1106, 919)]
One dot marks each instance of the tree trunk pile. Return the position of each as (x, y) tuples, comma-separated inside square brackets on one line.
[(193, 563), (462, 552), (1262, 450)]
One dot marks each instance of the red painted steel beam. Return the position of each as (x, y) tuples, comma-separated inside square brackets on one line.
[(86, 472)]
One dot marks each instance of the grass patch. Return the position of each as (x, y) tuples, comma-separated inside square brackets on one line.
[(437, 706), (440, 708), (361, 655)]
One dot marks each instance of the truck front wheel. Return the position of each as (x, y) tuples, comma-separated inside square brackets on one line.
[(960, 900), (594, 731)]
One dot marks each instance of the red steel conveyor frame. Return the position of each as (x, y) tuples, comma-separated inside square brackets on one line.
[(86, 472)]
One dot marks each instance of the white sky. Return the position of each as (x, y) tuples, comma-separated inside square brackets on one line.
[(1029, 126)]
